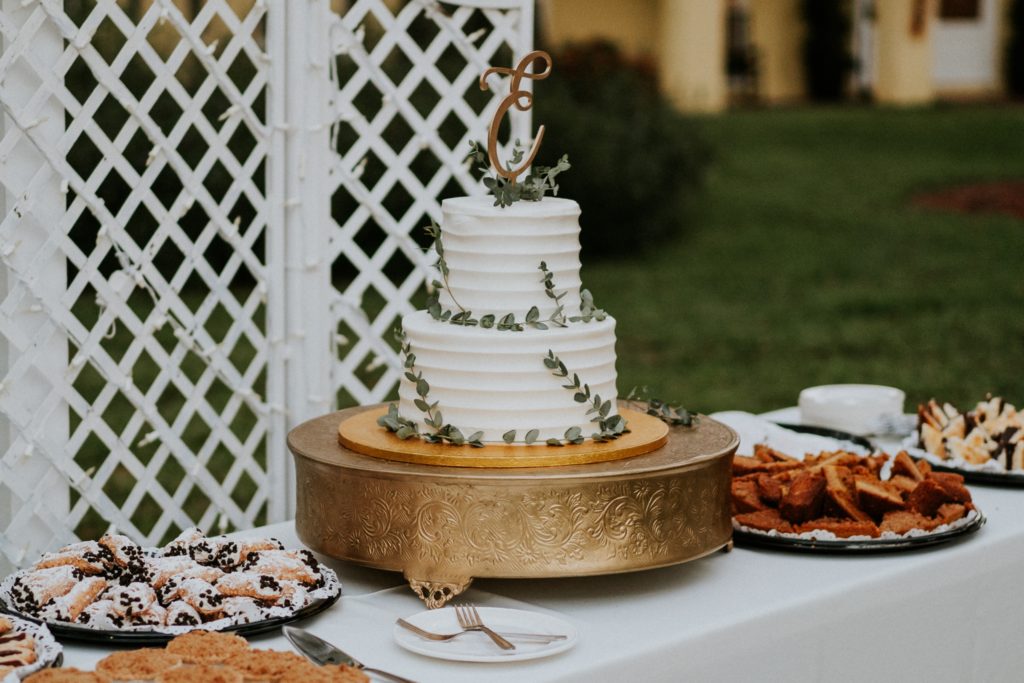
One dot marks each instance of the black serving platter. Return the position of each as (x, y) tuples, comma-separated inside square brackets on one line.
[(90, 635), (859, 547)]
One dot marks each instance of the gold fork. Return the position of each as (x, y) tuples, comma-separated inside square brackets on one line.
[(469, 619)]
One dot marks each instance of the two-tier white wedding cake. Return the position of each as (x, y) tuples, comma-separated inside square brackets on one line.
[(511, 349)]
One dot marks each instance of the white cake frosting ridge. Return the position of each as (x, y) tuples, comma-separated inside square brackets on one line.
[(493, 255), (495, 381)]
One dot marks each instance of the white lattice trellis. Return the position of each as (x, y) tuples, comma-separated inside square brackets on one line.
[(179, 179), (133, 150)]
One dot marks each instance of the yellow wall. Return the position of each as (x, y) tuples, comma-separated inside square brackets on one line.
[(692, 65), (904, 60), (777, 32), (631, 25)]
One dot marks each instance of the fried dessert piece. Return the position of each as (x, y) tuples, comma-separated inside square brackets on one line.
[(207, 647), (234, 553), (839, 500), (285, 565), (769, 488), (247, 610), (102, 615), (953, 484), (180, 545), (202, 596), (933, 441), (5, 625), (950, 512), (36, 588), (832, 459), (902, 521), (903, 465), (843, 528), (131, 599), (67, 607), (89, 557), (874, 463), (903, 484), (765, 520), (250, 585), (976, 448), (924, 467), (765, 454), (743, 465), (293, 594), (875, 498), (928, 497), (132, 665), (127, 554), (745, 497), (154, 615), (804, 498)]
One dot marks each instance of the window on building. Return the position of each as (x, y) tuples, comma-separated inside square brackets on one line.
[(960, 9)]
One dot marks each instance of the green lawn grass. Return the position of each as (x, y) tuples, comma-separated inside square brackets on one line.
[(806, 264)]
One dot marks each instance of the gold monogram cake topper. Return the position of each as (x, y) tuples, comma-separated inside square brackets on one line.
[(521, 100)]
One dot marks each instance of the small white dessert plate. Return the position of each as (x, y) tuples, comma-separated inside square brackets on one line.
[(477, 646)]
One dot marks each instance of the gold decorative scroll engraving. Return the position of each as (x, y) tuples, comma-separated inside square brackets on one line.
[(521, 100)]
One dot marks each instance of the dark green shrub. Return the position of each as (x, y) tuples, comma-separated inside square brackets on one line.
[(637, 163), (827, 59), (1015, 50)]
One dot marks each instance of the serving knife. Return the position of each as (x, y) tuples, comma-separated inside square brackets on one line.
[(320, 652)]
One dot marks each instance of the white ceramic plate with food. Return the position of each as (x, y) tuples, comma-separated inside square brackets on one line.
[(477, 646)]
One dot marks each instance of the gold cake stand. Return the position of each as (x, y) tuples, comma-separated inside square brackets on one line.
[(444, 526)]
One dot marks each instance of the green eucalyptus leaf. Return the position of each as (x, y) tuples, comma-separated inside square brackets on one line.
[(531, 436), (509, 436)]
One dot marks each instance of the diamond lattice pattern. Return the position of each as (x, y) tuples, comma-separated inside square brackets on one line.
[(133, 311)]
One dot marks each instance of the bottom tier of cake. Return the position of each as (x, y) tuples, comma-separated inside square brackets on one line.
[(497, 382)]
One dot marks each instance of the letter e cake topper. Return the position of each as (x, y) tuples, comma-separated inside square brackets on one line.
[(521, 100)]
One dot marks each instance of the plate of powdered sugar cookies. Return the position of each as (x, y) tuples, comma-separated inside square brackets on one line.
[(113, 590)]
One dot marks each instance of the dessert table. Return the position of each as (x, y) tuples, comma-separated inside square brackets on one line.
[(948, 613)]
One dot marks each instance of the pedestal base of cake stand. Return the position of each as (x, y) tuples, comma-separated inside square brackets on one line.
[(444, 526)]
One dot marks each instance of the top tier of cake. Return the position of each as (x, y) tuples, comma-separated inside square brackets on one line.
[(493, 255)]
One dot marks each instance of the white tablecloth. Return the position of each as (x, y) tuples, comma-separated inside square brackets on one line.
[(950, 613)]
